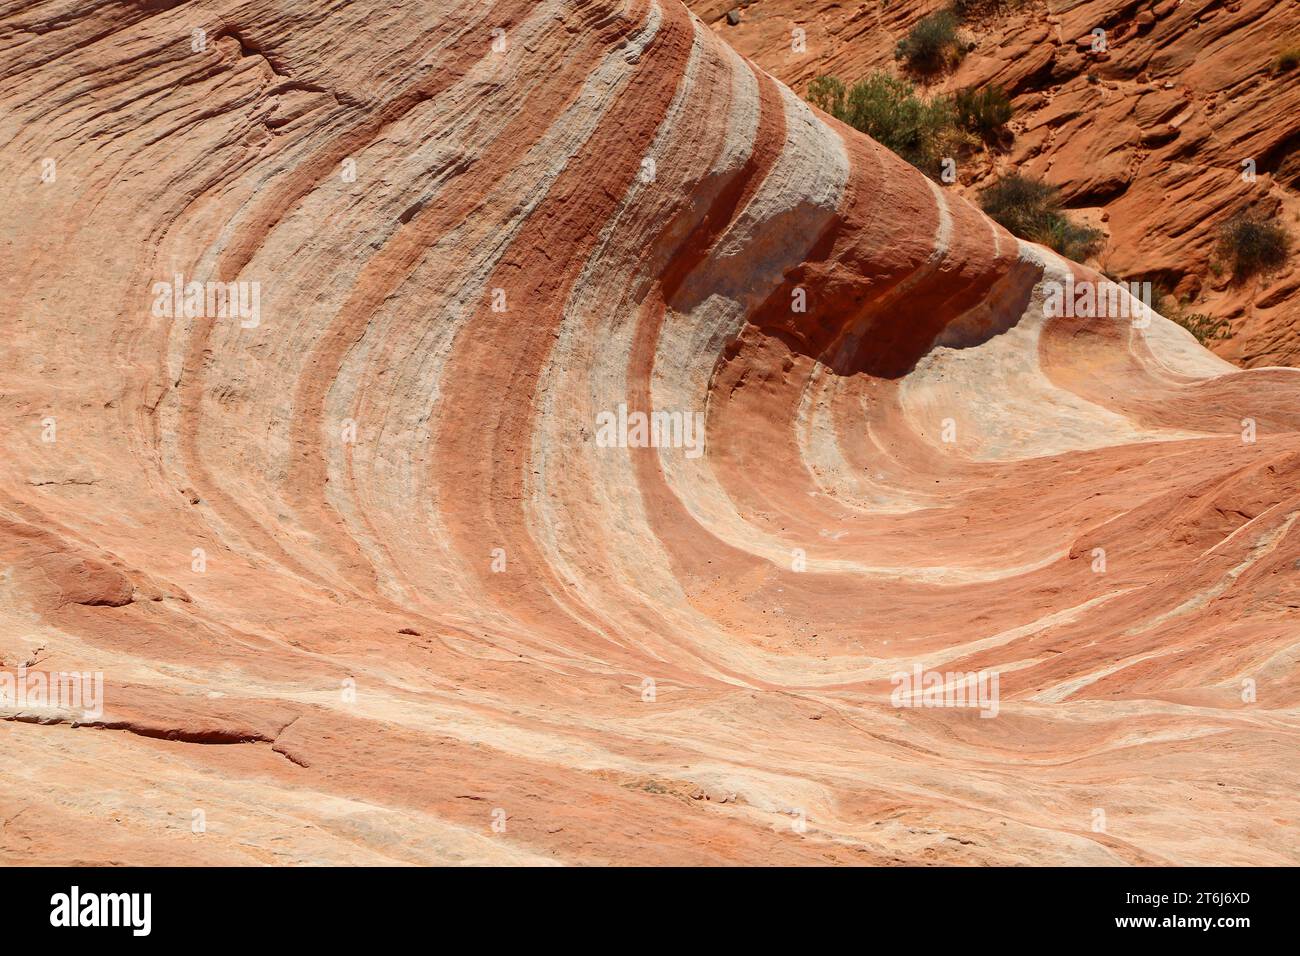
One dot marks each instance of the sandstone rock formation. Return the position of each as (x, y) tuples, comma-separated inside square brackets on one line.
[(368, 581), (1146, 137)]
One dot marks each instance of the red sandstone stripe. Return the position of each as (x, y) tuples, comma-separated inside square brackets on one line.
[(499, 356), (392, 266), (241, 251)]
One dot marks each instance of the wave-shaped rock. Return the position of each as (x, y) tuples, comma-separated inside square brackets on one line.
[(1159, 121), (373, 556)]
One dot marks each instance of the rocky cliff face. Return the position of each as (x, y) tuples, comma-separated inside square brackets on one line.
[(331, 339), (1148, 138)]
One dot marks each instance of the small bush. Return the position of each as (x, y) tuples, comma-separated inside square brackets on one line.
[(827, 94), (1031, 209), (1071, 239), (922, 131), (971, 9), (1022, 204), (984, 111), (1253, 244), (931, 45), (1206, 328), (1287, 60), (889, 110)]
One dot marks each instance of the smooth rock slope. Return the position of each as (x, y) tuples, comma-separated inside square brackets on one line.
[(369, 578)]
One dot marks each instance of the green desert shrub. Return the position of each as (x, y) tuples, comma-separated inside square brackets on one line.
[(1023, 204), (1072, 240), (1031, 209), (1287, 60), (1253, 244), (828, 94), (931, 45), (972, 9), (890, 111), (1205, 327), (984, 111)]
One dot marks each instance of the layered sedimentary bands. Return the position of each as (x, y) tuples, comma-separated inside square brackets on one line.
[(1145, 137), (371, 562)]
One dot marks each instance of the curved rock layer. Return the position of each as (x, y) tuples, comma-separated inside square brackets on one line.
[(369, 578), (1146, 138)]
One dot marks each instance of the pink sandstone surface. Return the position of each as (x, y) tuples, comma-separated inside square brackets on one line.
[(365, 587)]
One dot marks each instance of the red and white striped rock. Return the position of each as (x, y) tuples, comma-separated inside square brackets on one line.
[(1146, 139), (392, 601)]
